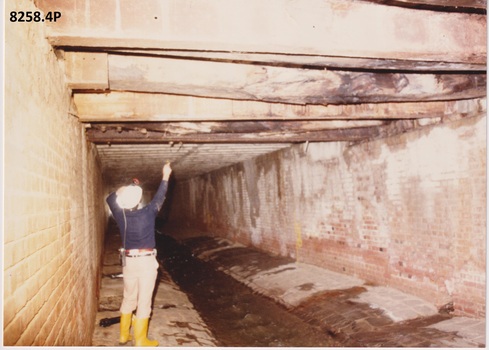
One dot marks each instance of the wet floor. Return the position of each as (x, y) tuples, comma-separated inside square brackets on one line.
[(235, 314), (245, 297)]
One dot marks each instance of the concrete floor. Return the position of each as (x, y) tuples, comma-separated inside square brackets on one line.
[(357, 314)]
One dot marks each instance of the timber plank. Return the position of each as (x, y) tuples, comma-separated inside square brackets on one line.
[(132, 136), (291, 85), (142, 107)]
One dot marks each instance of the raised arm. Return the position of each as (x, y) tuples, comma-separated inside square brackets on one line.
[(159, 197)]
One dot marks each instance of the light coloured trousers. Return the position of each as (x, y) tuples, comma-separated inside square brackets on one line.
[(139, 276)]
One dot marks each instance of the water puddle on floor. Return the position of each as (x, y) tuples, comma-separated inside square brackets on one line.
[(233, 312)]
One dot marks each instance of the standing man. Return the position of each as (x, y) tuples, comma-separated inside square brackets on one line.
[(138, 254)]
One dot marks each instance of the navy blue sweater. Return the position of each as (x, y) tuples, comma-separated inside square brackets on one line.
[(140, 224)]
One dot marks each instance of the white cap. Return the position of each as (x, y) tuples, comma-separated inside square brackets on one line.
[(129, 197)]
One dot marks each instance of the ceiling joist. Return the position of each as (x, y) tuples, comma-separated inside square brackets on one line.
[(291, 85), (142, 107), (243, 132), (333, 28), (124, 136), (271, 84), (309, 61)]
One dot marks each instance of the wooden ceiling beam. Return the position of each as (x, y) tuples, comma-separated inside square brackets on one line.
[(99, 71), (341, 28), (244, 132), (234, 127), (286, 85), (124, 136), (311, 61), (142, 107)]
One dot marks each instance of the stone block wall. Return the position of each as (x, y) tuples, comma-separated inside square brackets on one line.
[(408, 211), (54, 214)]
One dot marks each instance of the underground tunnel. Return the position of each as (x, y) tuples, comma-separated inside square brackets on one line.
[(329, 170)]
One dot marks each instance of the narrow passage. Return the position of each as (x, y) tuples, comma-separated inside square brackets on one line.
[(234, 313)]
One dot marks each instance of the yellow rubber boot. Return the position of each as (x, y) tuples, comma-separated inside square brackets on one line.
[(141, 332), (125, 327)]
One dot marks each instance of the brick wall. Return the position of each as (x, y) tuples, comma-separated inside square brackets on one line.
[(407, 211), (54, 215)]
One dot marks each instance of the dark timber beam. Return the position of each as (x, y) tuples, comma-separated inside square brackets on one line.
[(288, 85), (235, 127), (468, 6), (311, 61), (99, 71), (131, 136), (237, 132)]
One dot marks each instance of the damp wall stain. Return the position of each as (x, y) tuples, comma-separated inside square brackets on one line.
[(250, 176), (364, 209)]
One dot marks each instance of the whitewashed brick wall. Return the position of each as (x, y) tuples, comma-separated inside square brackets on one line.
[(406, 211)]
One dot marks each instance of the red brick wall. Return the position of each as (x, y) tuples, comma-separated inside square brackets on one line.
[(54, 216), (407, 211)]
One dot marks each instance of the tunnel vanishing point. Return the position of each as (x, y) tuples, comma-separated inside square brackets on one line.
[(349, 135)]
